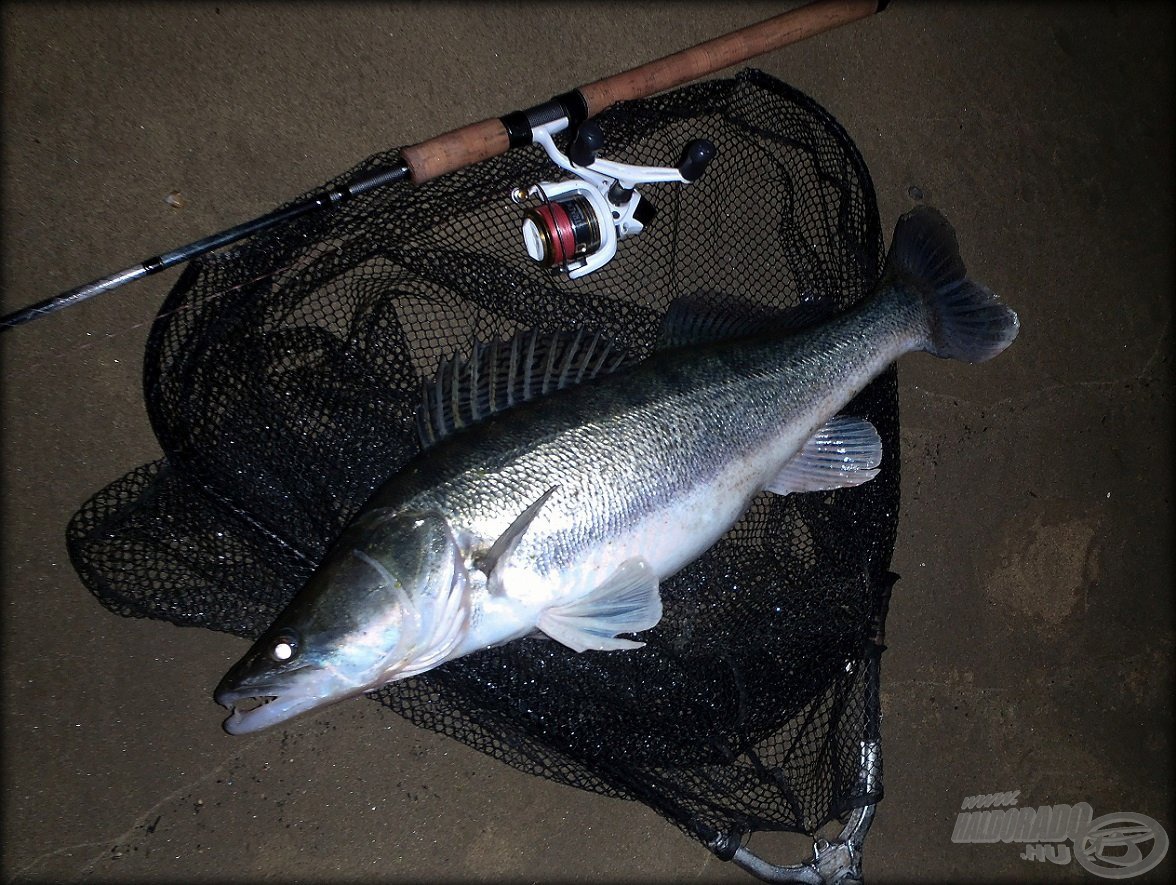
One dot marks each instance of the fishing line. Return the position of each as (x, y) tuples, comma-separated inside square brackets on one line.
[(201, 301)]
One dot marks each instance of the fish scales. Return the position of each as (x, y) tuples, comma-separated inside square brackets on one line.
[(562, 514), (633, 443)]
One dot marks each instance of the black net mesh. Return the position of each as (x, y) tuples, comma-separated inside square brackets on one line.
[(282, 378)]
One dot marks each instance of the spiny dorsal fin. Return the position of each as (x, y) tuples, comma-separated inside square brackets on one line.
[(502, 374)]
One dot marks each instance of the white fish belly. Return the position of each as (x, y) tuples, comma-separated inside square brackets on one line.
[(668, 539), (675, 535)]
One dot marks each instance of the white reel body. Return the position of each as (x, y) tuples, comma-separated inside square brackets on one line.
[(575, 225)]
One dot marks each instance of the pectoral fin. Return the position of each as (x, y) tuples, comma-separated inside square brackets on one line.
[(509, 539), (627, 602), (844, 452)]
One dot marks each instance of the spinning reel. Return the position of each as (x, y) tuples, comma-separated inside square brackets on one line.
[(575, 225)]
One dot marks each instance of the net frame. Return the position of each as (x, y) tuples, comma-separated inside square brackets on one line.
[(282, 378)]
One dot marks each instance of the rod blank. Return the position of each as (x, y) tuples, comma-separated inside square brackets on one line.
[(156, 263)]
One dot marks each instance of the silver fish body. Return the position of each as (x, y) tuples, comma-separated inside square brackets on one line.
[(655, 463), (562, 513)]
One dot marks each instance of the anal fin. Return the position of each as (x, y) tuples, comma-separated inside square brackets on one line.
[(845, 452), (627, 602)]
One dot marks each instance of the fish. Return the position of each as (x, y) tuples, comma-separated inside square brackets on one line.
[(557, 485)]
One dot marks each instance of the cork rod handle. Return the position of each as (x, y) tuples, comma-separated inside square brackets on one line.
[(489, 138)]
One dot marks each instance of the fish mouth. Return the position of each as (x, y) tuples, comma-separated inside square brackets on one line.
[(253, 708)]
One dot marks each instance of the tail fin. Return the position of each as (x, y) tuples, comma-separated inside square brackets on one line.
[(966, 320)]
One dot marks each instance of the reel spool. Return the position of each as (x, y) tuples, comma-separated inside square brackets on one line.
[(563, 229), (574, 226)]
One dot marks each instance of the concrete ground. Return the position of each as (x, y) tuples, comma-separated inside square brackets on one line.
[(1031, 635)]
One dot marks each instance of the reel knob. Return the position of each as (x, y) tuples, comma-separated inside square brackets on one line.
[(695, 158), (589, 139)]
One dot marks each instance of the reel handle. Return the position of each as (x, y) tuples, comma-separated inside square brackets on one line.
[(696, 156)]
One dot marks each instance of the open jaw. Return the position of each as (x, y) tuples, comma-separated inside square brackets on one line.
[(261, 706)]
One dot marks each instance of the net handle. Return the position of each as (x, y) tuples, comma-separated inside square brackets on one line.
[(488, 138)]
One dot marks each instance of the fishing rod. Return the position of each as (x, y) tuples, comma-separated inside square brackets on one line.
[(489, 138)]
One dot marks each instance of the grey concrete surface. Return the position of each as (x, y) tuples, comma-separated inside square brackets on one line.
[(1031, 635)]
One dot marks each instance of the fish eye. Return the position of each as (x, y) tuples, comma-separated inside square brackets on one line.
[(284, 647)]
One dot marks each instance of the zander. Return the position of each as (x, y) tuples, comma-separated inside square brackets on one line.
[(554, 492)]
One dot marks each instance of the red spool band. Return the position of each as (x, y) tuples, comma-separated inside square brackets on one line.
[(563, 235), (566, 228)]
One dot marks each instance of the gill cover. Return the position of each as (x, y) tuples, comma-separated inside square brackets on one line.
[(390, 600)]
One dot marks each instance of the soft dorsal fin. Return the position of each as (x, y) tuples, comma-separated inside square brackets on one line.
[(706, 318), (502, 374)]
